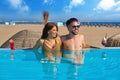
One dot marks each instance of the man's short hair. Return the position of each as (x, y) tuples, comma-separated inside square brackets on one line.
[(71, 20)]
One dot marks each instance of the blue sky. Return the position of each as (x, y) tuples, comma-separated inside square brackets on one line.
[(60, 10)]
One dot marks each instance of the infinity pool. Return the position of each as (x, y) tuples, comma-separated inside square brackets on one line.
[(99, 64)]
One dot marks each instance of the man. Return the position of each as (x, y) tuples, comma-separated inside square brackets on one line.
[(73, 43)]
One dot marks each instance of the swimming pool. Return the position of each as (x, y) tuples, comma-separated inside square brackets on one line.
[(99, 64)]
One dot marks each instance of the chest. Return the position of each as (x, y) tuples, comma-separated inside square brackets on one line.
[(52, 44), (73, 44)]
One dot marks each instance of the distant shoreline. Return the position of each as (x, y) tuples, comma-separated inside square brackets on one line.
[(82, 23)]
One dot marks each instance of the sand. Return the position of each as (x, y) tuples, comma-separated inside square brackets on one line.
[(93, 35)]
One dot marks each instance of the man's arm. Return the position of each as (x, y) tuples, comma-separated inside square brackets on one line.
[(89, 46)]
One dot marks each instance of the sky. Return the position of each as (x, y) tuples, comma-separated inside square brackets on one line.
[(60, 10)]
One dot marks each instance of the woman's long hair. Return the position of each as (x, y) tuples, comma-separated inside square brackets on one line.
[(47, 28)]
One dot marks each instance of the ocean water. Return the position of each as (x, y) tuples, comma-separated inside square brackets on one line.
[(116, 23), (2, 22), (23, 22), (64, 23)]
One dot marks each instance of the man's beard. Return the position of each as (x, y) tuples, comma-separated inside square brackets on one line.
[(74, 33)]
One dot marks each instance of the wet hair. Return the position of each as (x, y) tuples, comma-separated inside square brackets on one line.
[(71, 20), (48, 27)]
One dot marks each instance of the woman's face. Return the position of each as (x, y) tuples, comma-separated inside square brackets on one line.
[(53, 32)]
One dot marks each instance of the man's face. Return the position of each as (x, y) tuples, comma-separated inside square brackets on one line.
[(74, 28)]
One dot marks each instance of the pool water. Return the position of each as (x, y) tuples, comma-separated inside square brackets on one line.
[(99, 64)]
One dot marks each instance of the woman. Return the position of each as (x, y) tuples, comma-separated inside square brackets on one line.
[(50, 42)]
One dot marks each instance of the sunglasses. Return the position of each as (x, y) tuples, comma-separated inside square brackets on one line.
[(76, 26)]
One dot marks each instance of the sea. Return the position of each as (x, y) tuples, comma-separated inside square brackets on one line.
[(63, 23), (22, 22)]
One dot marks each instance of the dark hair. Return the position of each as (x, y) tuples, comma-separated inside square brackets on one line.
[(47, 28), (71, 20)]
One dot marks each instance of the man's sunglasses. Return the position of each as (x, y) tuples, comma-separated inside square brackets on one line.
[(76, 26)]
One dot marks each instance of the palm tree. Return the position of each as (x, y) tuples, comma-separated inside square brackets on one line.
[(45, 16)]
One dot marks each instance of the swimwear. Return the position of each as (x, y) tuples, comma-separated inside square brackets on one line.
[(55, 51)]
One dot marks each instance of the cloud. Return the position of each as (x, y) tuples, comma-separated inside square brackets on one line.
[(107, 5), (117, 9), (73, 3), (117, 6), (48, 2), (19, 5), (45, 1)]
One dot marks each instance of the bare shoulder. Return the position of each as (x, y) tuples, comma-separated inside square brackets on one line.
[(64, 37), (58, 38), (81, 36), (41, 41)]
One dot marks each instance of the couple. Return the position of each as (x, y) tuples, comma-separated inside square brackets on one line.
[(70, 45)]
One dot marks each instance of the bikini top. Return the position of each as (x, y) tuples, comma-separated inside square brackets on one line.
[(54, 50)]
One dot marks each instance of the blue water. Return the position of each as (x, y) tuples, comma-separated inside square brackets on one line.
[(99, 64), (100, 23), (29, 22), (64, 23), (2, 22)]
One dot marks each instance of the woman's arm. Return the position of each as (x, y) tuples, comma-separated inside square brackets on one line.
[(35, 49), (38, 44)]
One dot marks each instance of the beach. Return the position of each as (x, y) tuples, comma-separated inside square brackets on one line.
[(93, 34)]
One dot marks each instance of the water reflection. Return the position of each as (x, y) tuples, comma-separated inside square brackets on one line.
[(73, 72), (12, 55), (104, 56), (50, 71)]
